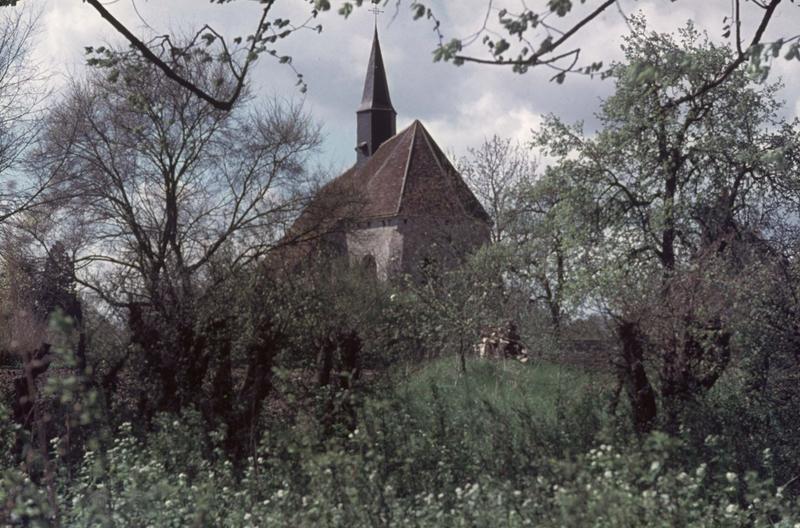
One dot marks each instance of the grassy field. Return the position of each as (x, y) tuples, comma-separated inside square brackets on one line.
[(503, 444), (509, 385), (506, 403)]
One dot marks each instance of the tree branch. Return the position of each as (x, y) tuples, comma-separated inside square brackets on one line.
[(741, 56), (147, 53), (536, 57)]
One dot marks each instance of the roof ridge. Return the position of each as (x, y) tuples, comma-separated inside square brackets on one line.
[(393, 138), (428, 140), (446, 173), (408, 163)]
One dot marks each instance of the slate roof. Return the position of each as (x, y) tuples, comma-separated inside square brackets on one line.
[(408, 176)]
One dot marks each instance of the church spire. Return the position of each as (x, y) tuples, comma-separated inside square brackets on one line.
[(376, 116)]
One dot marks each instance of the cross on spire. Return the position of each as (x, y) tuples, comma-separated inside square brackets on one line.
[(376, 11)]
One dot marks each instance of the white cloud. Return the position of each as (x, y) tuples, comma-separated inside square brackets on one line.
[(476, 120), (460, 106)]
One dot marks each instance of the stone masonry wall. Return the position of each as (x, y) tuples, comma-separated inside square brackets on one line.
[(401, 245), (382, 240)]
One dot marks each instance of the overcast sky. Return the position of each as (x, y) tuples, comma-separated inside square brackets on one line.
[(460, 106)]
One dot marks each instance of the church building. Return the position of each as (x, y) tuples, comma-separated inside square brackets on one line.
[(403, 205)]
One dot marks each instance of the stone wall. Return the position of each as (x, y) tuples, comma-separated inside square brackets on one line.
[(441, 242), (380, 239), (402, 245)]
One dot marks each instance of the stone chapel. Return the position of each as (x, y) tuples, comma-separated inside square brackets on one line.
[(403, 205)]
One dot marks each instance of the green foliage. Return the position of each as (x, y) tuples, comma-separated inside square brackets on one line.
[(495, 446), (446, 441), (510, 414), (667, 210)]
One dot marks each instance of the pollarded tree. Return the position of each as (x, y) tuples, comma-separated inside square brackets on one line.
[(685, 195), (168, 187)]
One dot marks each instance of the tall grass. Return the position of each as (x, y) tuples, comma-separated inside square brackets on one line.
[(503, 444), (508, 405), (508, 385)]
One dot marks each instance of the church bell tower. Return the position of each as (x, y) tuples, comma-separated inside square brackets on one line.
[(376, 116)]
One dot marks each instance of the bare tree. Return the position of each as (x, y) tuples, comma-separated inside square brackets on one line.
[(495, 171), (169, 189), (21, 92)]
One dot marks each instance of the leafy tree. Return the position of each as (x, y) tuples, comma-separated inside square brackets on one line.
[(547, 240), (533, 239), (684, 197), (536, 231), (451, 306), (529, 38)]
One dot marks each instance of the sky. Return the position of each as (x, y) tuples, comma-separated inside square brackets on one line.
[(460, 106)]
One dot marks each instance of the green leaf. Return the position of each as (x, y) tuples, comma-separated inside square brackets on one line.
[(346, 10), (501, 46), (419, 10), (209, 38), (560, 7)]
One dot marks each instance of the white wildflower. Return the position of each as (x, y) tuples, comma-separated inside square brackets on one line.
[(701, 471)]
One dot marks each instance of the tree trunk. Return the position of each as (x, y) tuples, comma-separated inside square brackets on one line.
[(632, 372), (325, 362), (244, 415)]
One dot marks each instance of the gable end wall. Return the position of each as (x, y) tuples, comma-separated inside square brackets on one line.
[(401, 245)]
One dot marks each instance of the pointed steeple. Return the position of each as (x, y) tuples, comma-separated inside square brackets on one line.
[(376, 88), (376, 115)]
